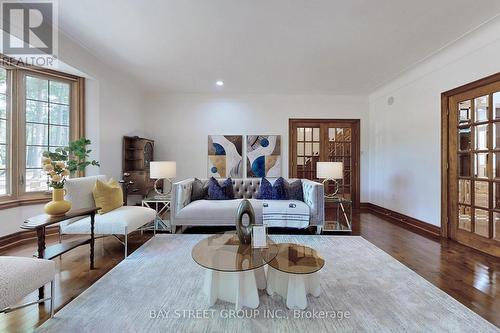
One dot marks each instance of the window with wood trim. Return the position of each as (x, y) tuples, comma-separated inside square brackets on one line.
[(39, 110)]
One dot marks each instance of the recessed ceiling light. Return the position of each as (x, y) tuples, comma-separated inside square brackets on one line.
[(219, 83)]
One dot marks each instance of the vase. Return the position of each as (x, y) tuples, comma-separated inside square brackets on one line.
[(245, 232), (58, 206)]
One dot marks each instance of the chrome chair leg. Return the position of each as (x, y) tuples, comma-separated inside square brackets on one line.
[(126, 243), (52, 297)]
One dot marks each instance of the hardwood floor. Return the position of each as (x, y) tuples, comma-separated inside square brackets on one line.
[(467, 275)]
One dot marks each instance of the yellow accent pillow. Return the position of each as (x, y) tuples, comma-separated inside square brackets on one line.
[(107, 196)]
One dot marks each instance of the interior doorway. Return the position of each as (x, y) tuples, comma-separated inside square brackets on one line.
[(326, 140), (471, 165)]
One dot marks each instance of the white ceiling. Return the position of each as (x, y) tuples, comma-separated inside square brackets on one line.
[(268, 46)]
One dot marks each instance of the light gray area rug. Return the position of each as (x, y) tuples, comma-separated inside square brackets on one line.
[(363, 289)]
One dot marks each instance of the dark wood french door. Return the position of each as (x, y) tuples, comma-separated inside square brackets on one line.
[(473, 167), (326, 140)]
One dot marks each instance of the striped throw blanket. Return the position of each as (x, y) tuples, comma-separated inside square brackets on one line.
[(285, 213)]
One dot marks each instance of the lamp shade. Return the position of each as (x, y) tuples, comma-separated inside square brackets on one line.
[(329, 170), (162, 169)]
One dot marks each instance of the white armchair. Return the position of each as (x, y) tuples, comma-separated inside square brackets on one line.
[(21, 276), (119, 222)]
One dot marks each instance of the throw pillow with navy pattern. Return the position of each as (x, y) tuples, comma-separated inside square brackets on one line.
[(266, 190), (279, 189), (217, 191)]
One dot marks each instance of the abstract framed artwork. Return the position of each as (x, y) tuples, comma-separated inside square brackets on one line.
[(225, 158), (263, 156)]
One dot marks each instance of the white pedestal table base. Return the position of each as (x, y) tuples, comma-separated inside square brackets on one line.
[(292, 287), (239, 288)]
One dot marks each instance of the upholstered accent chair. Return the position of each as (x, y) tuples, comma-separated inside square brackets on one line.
[(20, 276), (119, 222)]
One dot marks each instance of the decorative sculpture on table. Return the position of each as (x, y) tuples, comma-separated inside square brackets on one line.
[(245, 232)]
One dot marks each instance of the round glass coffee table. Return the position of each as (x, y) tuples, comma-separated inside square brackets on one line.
[(292, 274), (234, 271)]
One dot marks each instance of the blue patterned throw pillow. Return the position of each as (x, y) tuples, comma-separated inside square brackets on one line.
[(279, 189), (294, 190), (266, 190), (217, 191)]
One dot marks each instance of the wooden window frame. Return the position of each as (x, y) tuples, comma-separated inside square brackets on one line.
[(17, 195)]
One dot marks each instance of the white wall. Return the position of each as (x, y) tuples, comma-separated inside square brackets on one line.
[(181, 123), (405, 137), (114, 108)]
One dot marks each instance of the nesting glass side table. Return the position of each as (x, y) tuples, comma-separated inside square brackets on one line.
[(162, 208), (343, 215)]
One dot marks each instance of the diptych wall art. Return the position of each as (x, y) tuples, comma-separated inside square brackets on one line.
[(263, 156), (225, 158)]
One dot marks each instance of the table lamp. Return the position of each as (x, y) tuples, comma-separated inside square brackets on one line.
[(330, 171), (162, 170)]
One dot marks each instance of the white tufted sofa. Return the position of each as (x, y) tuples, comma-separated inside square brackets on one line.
[(223, 212)]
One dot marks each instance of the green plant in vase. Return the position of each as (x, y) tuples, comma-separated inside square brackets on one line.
[(59, 165)]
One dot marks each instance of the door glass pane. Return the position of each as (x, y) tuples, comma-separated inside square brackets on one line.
[(496, 165), (316, 149), (464, 112), (496, 135), (481, 194), (300, 134), (481, 107), (308, 150), (496, 196), (481, 137), (300, 149), (331, 134), (464, 191), (481, 222), (464, 169), (339, 135), (481, 166), (496, 105), (464, 138), (464, 218), (308, 134), (496, 225), (347, 132), (316, 134)]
